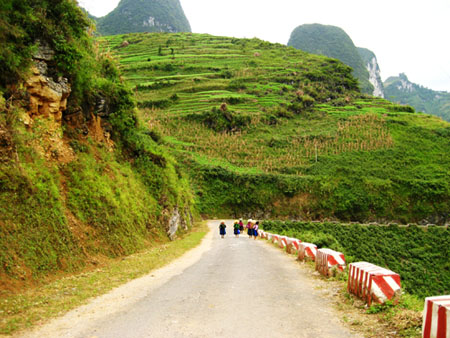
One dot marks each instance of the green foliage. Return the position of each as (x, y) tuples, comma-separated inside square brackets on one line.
[(309, 146), (419, 255), (332, 42), (55, 215), (59, 24), (221, 119), (120, 220), (400, 89), (34, 234)]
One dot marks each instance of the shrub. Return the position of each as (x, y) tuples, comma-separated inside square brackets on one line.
[(222, 120)]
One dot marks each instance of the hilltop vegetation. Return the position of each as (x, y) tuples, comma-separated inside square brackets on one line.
[(400, 89), (333, 42), (80, 178), (268, 130), (144, 16)]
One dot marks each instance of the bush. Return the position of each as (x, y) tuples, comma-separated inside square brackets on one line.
[(402, 108), (222, 120)]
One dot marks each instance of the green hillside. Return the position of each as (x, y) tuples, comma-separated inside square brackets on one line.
[(400, 89), (144, 16), (333, 42), (80, 178), (270, 131)]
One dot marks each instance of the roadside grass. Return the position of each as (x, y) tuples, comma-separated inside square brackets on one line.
[(37, 305)]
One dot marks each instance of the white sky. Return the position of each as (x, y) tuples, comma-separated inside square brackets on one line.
[(408, 36)]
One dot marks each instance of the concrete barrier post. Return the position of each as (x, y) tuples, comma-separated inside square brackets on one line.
[(373, 283), (307, 251), (327, 260), (293, 245), (436, 318)]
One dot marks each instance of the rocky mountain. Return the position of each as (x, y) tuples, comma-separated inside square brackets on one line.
[(370, 60), (333, 42), (144, 16), (399, 89)]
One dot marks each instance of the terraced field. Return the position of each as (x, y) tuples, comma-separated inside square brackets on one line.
[(266, 127)]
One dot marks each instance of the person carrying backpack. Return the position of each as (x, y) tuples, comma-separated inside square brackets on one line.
[(236, 229)]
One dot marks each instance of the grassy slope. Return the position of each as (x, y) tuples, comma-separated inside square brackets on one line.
[(65, 213), (295, 139)]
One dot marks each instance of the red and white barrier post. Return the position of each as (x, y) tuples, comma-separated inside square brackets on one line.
[(436, 318), (373, 283), (275, 239), (293, 245), (307, 251), (283, 242), (327, 260)]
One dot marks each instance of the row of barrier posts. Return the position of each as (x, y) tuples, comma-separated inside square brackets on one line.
[(367, 281)]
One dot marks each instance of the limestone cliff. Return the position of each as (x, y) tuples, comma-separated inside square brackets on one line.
[(370, 60)]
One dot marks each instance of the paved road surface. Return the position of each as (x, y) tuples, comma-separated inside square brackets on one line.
[(235, 287)]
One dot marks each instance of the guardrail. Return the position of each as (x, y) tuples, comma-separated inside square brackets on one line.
[(368, 281)]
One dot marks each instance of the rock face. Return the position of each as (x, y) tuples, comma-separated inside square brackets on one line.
[(133, 16), (333, 42), (47, 96), (400, 90), (47, 100), (370, 60), (176, 221)]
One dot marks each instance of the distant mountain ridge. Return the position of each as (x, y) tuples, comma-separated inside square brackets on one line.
[(399, 89), (333, 42), (134, 16)]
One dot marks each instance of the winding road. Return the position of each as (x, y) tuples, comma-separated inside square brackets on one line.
[(231, 287)]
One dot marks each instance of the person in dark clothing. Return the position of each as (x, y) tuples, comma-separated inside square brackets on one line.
[(222, 228), (255, 229), (241, 225), (250, 228)]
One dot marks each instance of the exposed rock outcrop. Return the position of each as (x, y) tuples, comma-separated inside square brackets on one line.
[(47, 100), (177, 220), (47, 97), (371, 62)]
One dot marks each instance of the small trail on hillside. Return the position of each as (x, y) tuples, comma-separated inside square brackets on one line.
[(232, 287)]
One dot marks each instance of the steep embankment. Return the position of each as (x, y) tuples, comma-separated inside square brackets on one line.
[(333, 42), (400, 89), (269, 130), (144, 16), (80, 179)]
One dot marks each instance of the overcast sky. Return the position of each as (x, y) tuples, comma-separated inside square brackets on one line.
[(408, 36)]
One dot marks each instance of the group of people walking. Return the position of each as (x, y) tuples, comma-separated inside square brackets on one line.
[(238, 228)]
